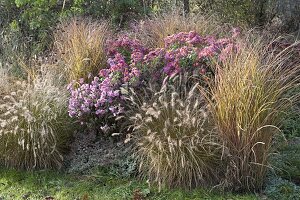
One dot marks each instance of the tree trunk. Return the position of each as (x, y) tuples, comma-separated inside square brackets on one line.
[(186, 6)]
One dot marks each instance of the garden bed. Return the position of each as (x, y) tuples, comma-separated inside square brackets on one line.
[(173, 106)]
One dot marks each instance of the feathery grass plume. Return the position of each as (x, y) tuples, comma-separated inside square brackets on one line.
[(173, 137), (154, 30), (80, 43), (248, 98), (34, 123)]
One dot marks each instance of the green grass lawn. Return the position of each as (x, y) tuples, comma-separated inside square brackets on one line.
[(15, 185)]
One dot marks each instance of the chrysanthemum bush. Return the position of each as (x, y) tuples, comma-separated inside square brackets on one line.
[(175, 140), (34, 123), (102, 98), (190, 52), (130, 64)]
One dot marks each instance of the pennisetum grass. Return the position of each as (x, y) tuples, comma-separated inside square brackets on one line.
[(34, 122), (174, 139)]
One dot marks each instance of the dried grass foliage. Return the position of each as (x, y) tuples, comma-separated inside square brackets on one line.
[(175, 141), (80, 43), (34, 122), (249, 98), (152, 31)]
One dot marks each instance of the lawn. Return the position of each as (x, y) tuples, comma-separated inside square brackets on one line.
[(15, 185)]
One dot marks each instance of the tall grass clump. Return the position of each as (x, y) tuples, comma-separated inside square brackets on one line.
[(80, 43), (34, 123), (249, 100), (154, 30), (15, 50), (174, 139), (5, 80)]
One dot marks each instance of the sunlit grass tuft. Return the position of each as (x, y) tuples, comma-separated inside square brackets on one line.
[(176, 145), (152, 31), (34, 122), (248, 100), (80, 43)]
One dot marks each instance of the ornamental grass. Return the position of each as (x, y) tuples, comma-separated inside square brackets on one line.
[(154, 30), (35, 126), (249, 98), (175, 142), (80, 43)]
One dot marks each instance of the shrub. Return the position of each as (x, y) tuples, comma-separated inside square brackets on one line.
[(287, 161), (34, 123), (36, 19), (102, 97), (7, 12), (133, 65), (152, 31), (189, 53), (249, 97), (80, 43), (278, 188), (174, 139), (291, 126), (248, 12), (96, 100), (15, 50), (122, 11), (280, 16)]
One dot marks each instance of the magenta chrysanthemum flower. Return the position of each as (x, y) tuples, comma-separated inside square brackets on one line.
[(130, 64)]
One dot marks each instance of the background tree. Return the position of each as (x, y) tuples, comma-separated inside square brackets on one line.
[(186, 6)]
